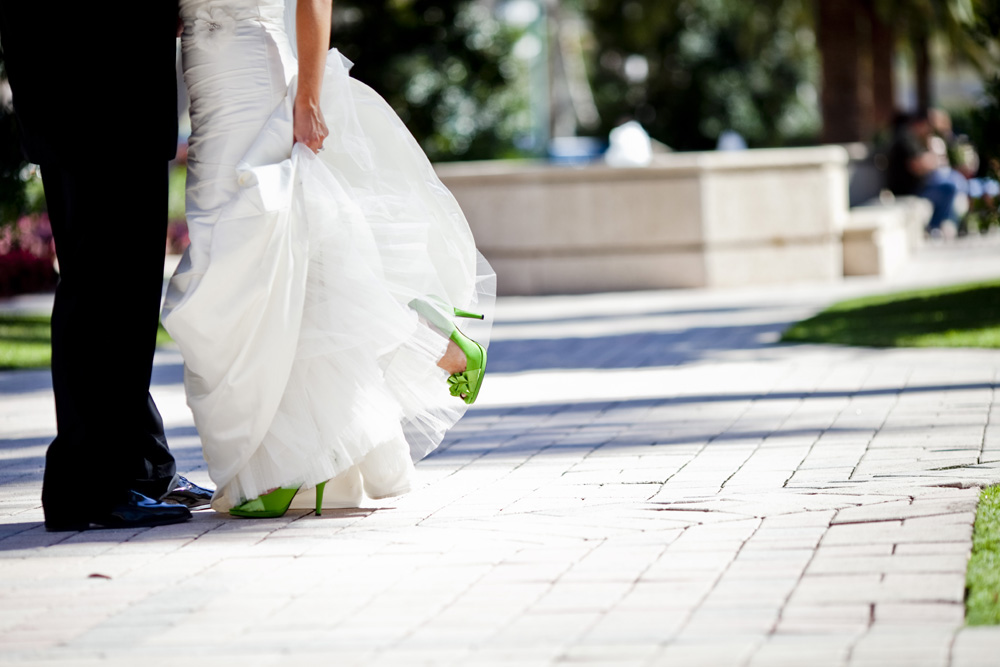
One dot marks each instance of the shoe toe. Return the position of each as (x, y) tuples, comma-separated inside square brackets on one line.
[(188, 494), (141, 511)]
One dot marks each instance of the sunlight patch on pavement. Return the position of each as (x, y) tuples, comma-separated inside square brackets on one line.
[(571, 386)]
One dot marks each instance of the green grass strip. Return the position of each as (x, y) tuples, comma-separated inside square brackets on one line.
[(965, 315), (982, 578), (26, 341)]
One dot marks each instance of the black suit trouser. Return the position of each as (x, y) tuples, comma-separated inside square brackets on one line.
[(109, 224)]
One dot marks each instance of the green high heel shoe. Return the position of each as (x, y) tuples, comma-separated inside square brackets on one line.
[(275, 504), (465, 385)]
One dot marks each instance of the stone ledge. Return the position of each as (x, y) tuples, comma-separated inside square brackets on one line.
[(879, 238), (687, 220)]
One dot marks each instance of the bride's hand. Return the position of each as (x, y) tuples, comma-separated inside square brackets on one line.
[(312, 28), (308, 125)]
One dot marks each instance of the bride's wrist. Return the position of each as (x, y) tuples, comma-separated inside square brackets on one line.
[(307, 102)]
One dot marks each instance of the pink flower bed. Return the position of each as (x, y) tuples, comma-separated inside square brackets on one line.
[(27, 255)]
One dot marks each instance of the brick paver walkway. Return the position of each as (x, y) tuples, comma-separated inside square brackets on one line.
[(647, 480)]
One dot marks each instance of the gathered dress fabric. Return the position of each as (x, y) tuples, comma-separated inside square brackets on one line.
[(317, 293)]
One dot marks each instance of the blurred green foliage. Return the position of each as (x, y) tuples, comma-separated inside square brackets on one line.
[(13, 199), (20, 188), (968, 27), (984, 127), (987, 17), (713, 65), (446, 68)]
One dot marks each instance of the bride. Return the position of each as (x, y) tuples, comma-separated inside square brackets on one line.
[(315, 305)]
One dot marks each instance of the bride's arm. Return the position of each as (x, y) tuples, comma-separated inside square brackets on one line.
[(312, 29)]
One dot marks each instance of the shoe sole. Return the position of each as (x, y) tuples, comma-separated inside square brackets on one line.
[(191, 505)]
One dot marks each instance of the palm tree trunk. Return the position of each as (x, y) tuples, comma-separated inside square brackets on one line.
[(883, 51), (922, 65), (844, 37)]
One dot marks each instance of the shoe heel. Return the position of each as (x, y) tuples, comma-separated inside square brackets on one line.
[(469, 314), (438, 315), (319, 498)]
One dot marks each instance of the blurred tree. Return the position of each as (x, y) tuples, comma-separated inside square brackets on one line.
[(444, 66), (691, 69), (858, 40), (987, 17), (883, 47), (984, 128), (954, 21), (845, 36)]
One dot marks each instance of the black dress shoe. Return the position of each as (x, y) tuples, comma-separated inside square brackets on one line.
[(188, 494), (137, 511)]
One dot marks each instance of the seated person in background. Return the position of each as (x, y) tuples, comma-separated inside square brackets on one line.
[(964, 161), (915, 169)]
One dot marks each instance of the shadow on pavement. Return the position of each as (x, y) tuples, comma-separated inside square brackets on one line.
[(610, 317), (29, 468), (22, 382), (631, 350), (472, 439)]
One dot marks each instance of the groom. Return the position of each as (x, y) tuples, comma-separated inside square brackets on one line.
[(103, 140)]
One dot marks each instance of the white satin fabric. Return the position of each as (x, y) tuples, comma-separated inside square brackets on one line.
[(304, 360)]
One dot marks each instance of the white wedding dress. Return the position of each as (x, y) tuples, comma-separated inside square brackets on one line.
[(296, 304)]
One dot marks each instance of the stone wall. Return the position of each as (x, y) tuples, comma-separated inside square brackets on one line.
[(687, 220)]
